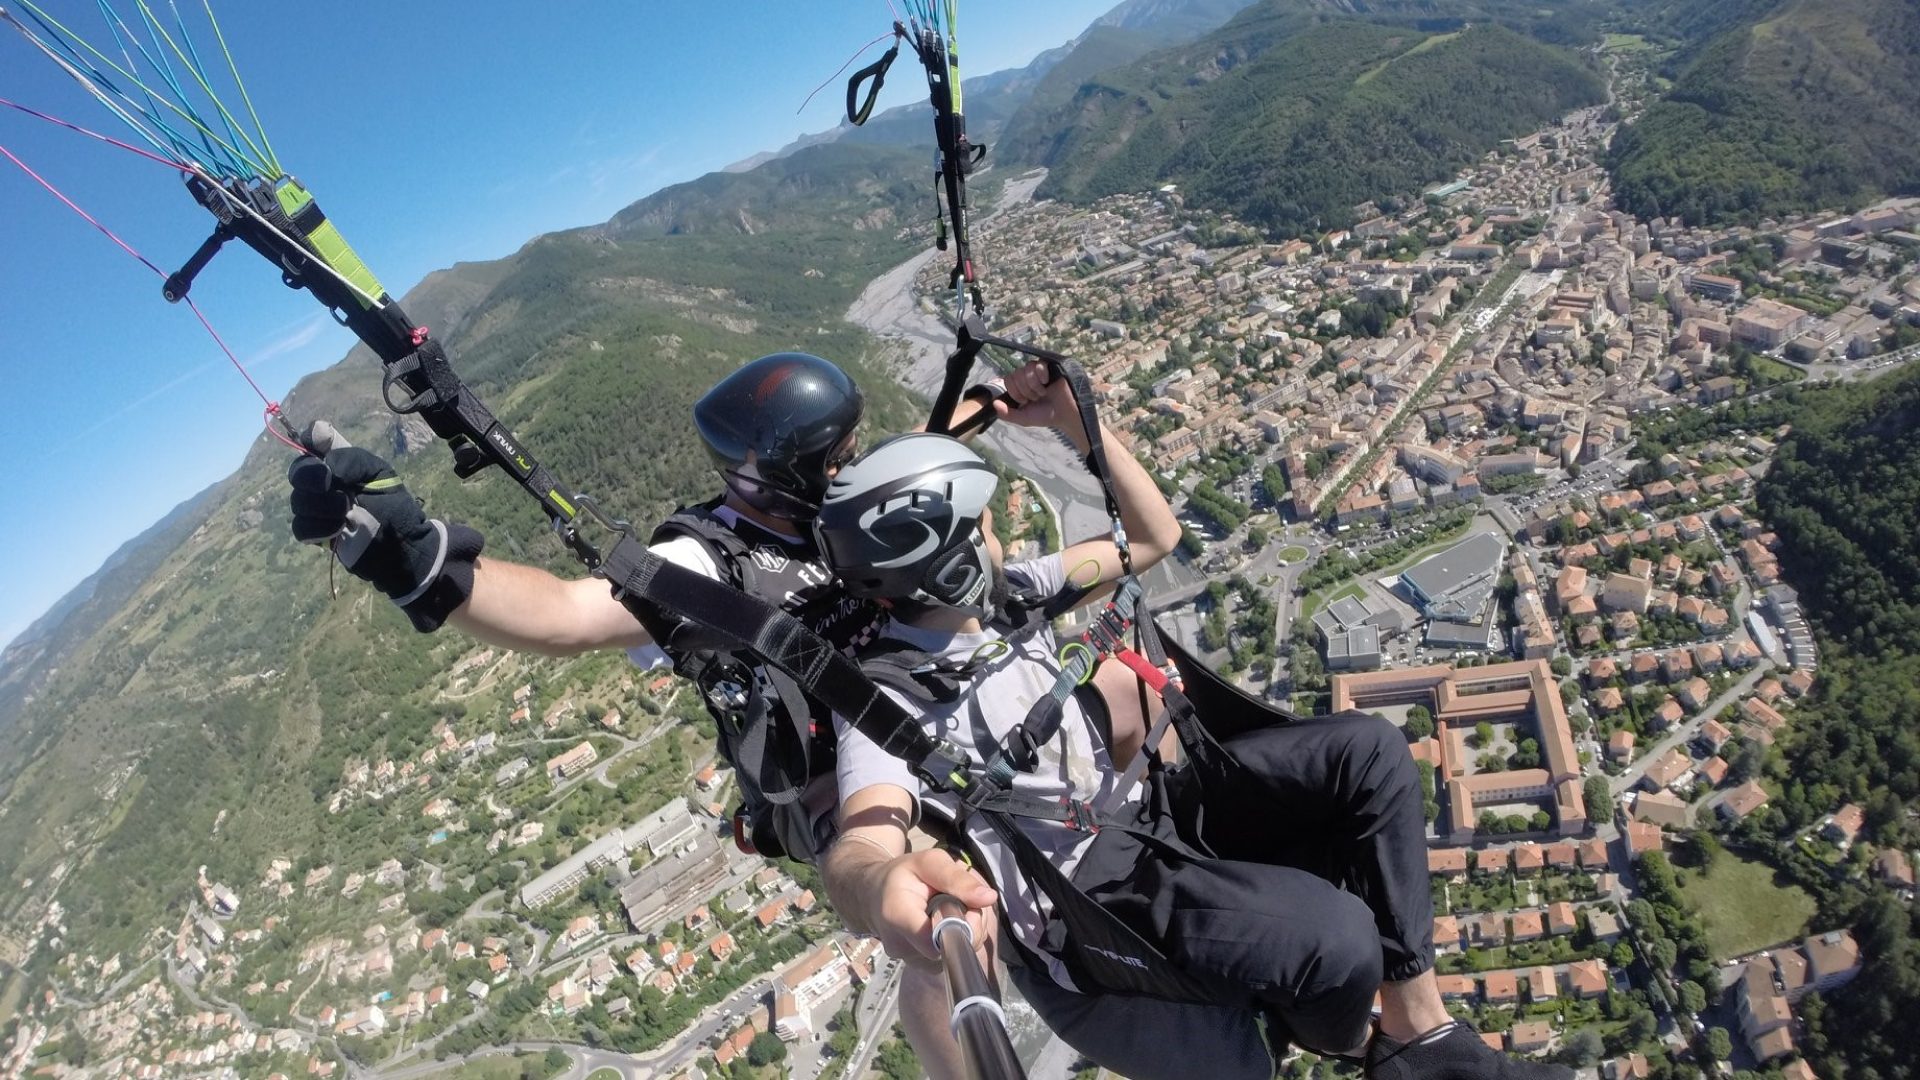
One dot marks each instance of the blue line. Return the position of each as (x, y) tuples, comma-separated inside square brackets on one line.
[(153, 106), (200, 70), (181, 146), (173, 82)]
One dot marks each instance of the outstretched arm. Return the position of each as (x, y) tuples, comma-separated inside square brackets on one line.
[(1152, 530), (527, 609)]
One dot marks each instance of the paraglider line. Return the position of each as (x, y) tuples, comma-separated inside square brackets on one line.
[(273, 411)]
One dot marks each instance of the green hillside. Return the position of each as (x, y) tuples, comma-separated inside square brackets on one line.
[(1032, 132), (229, 680), (1805, 104), (1290, 115), (1843, 496)]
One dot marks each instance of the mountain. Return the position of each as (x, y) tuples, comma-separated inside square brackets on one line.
[(1843, 495), (1032, 130), (992, 100), (1299, 109), (37, 653), (1801, 105), (1171, 19)]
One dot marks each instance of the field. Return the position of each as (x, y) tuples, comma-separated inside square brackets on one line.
[(1314, 601), (1293, 554), (1742, 906)]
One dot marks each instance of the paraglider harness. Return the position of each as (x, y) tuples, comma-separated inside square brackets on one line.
[(767, 729)]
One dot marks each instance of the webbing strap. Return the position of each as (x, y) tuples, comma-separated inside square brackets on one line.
[(973, 338), (1102, 952), (645, 582)]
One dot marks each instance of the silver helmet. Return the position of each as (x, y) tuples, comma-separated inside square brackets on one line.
[(902, 523)]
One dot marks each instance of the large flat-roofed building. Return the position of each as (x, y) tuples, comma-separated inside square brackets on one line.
[(673, 881), (1357, 649), (1769, 324), (1714, 286), (563, 766), (1522, 692), (1455, 590), (665, 828), (1351, 630)]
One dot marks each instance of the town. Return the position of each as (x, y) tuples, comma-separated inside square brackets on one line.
[(1405, 455)]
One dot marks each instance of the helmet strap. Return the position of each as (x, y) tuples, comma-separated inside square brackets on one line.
[(768, 499)]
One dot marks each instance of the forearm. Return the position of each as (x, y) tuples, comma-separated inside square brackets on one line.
[(853, 872), (528, 609), (1152, 529)]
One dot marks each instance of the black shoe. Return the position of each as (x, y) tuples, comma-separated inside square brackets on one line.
[(1454, 1052)]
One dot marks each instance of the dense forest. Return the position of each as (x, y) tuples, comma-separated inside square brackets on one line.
[(1290, 118), (1793, 108), (1844, 496)]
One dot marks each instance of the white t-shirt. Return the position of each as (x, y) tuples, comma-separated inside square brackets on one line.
[(1076, 763)]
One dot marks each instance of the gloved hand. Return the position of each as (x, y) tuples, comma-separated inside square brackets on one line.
[(351, 499)]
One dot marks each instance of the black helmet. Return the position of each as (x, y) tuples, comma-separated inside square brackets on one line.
[(776, 426), (902, 522)]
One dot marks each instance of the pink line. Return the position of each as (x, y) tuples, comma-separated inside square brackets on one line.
[(108, 139), (273, 407)]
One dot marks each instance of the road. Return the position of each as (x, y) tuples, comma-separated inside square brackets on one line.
[(1684, 733), (874, 1017), (662, 1061)]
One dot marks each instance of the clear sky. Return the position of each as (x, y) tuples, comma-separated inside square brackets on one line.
[(432, 132)]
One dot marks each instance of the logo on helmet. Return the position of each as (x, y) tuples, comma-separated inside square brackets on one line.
[(957, 580)]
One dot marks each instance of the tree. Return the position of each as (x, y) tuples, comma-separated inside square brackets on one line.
[(765, 1049), (556, 1060), (1599, 795), (1719, 1044), (1692, 998), (1664, 953), (1419, 722), (1482, 735), (1527, 756), (1582, 1048), (1562, 666), (1642, 1026)]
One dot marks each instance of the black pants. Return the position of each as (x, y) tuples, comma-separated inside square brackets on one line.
[(1318, 889)]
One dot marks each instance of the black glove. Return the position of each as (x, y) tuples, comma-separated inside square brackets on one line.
[(351, 499)]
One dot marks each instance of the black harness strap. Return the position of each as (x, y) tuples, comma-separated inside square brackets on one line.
[(643, 581), (858, 110)]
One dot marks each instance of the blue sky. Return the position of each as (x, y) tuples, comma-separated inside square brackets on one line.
[(432, 132)]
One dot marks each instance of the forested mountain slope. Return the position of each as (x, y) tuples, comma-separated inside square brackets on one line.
[(991, 100), (1802, 104), (1844, 496), (1300, 109), (231, 680)]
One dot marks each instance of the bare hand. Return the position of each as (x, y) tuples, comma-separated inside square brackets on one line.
[(910, 883), (1039, 400)]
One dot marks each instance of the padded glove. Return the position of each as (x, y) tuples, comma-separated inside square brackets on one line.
[(351, 500)]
